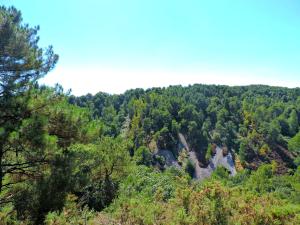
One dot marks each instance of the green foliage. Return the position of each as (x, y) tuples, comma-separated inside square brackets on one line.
[(297, 161), (238, 117), (264, 150), (220, 173), (22, 60), (260, 181), (293, 122), (45, 190), (243, 150), (23, 140), (145, 182), (8, 215), (97, 169), (164, 139), (209, 152), (189, 168), (72, 213), (294, 143), (143, 156), (64, 157), (210, 202)]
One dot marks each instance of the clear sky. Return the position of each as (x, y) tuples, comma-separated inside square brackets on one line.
[(114, 45)]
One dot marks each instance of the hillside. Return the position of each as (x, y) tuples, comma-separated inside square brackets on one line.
[(196, 155), (255, 123)]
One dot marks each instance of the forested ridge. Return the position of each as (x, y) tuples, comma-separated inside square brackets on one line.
[(105, 159), (258, 123)]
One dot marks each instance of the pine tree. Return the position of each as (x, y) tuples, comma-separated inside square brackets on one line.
[(22, 63), (293, 123)]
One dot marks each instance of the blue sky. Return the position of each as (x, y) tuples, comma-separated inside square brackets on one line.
[(114, 45)]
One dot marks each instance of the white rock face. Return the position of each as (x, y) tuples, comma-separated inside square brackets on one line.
[(225, 161), (217, 160), (200, 173), (169, 157)]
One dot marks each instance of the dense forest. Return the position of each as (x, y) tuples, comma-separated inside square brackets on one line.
[(132, 158)]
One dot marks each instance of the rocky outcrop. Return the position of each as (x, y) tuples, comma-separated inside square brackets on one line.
[(220, 158)]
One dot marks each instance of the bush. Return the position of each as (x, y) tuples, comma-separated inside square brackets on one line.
[(143, 156), (294, 143), (189, 168), (72, 213)]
